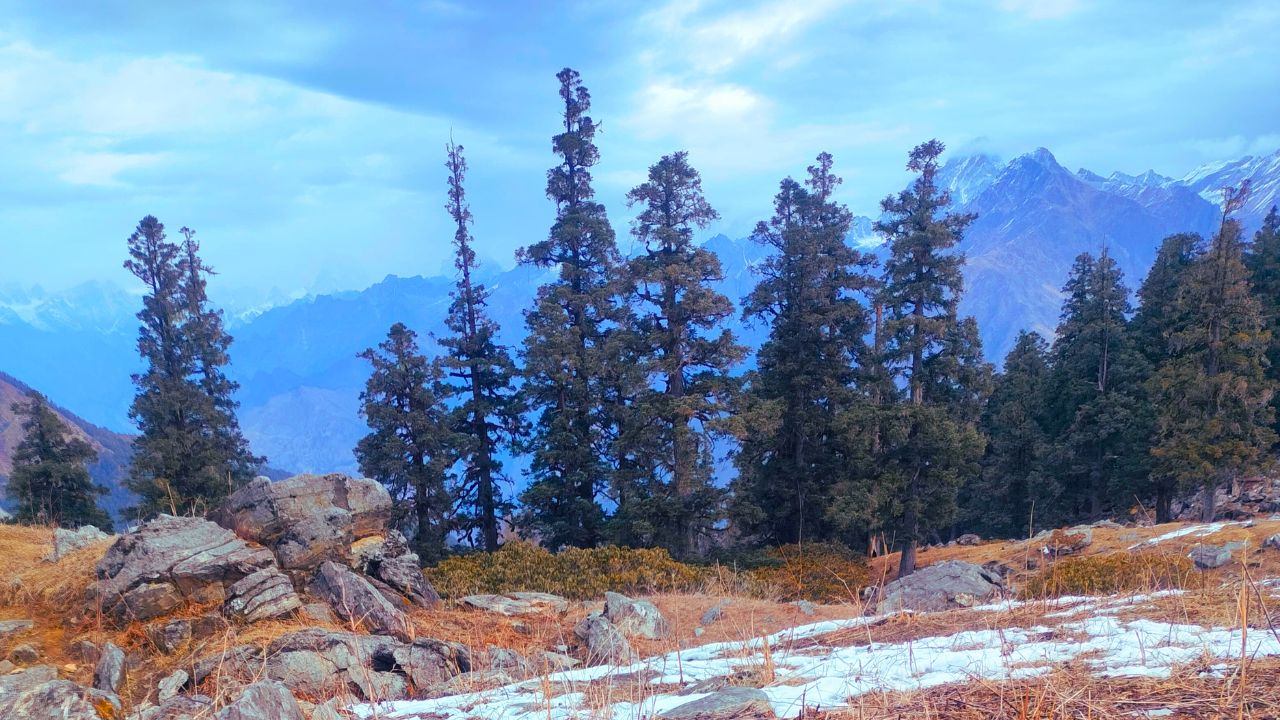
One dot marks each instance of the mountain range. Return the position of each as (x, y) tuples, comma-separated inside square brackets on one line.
[(300, 377)]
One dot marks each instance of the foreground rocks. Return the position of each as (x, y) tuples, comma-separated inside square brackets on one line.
[(38, 694), (726, 704), (357, 601), (947, 585)]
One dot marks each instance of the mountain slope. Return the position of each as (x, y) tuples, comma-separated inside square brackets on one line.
[(114, 449)]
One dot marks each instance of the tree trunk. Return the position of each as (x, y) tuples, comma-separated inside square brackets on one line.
[(907, 563), (1164, 503), (1207, 497)]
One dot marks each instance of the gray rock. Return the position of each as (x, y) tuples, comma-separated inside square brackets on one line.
[(265, 700), (521, 603), (307, 519), (320, 613), (172, 684), (509, 661), (169, 637), (330, 710), (86, 651), (389, 559), (605, 643), (1272, 542), (805, 607), (944, 586), (66, 541), (264, 595), (553, 662), (10, 629), (24, 654), (968, 539), (1208, 557), (36, 695), (150, 571), (7, 667), (179, 707), (731, 702), (712, 614), (108, 676), (356, 601), (635, 617)]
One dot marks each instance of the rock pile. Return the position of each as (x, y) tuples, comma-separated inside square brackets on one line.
[(1240, 500)]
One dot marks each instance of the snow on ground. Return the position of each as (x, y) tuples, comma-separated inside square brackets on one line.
[(816, 675), (1203, 530)]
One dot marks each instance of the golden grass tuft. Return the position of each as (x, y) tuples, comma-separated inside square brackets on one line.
[(1110, 574)]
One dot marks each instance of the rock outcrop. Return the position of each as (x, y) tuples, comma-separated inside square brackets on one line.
[(635, 617), (66, 541), (307, 519), (945, 586), (266, 700), (356, 600), (389, 559), (167, 561)]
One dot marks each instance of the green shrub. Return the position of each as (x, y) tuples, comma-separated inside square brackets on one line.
[(820, 572), (1108, 574)]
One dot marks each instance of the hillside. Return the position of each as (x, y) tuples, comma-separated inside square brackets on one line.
[(113, 448)]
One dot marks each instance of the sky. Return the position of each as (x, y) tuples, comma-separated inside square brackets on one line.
[(304, 141)]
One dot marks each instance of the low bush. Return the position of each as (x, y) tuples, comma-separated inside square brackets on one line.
[(820, 572), (1109, 574)]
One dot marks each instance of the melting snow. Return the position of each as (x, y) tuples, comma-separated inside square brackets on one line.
[(822, 676), (1196, 530)]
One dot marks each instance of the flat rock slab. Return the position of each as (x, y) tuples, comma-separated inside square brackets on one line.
[(726, 704), (947, 585), (519, 603), (1209, 557)]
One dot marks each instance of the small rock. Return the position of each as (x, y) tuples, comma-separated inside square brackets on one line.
[(24, 654), (635, 617), (108, 676), (171, 636), (805, 607), (1208, 557), (179, 707), (605, 643), (968, 539), (66, 541), (1272, 542), (712, 614), (171, 684), (698, 631), (86, 651), (731, 702), (7, 667), (265, 700)]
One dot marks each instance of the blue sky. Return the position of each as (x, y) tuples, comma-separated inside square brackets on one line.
[(305, 140)]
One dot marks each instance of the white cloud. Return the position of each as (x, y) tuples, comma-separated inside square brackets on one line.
[(103, 168), (1041, 9)]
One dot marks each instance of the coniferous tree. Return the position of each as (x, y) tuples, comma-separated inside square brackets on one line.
[(932, 444), (488, 418), (189, 453), (1150, 332), (567, 351), (1003, 501), (685, 356), (1263, 261), (411, 445), (1212, 394), (791, 422), (50, 482), (1094, 403)]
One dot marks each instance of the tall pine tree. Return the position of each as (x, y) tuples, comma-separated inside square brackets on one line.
[(1212, 394), (933, 444), (811, 294), (190, 453), (488, 418), (567, 350), (411, 446), (1095, 397), (1263, 261), (50, 482), (685, 355)]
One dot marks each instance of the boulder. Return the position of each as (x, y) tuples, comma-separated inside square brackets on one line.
[(38, 694), (355, 600), (265, 700), (605, 643), (266, 594), (519, 603), (968, 539), (1208, 557), (24, 654), (169, 637), (726, 704), (307, 519), (635, 617), (320, 663), (178, 707), (66, 541), (108, 676), (171, 684), (944, 586), (389, 559), (150, 571)]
